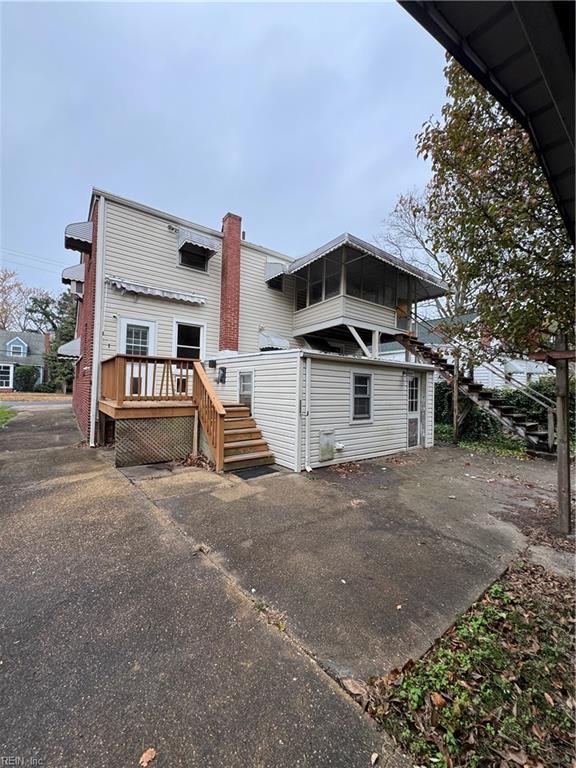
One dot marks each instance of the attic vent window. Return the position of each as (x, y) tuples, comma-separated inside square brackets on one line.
[(194, 257)]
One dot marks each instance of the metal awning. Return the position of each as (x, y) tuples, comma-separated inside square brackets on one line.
[(78, 236), (73, 274), (129, 286), (70, 349), (434, 287), (190, 237), (523, 54), (270, 340)]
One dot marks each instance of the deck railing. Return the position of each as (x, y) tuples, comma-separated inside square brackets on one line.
[(130, 378), (210, 412), (135, 378)]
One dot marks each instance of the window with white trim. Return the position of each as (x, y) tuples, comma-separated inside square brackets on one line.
[(137, 339), (16, 350), (361, 396), (413, 394), (5, 371), (188, 341)]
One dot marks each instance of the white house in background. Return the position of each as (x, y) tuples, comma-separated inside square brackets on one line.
[(20, 348), (269, 356), (495, 375)]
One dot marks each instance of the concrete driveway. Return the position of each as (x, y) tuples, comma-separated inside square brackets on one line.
[(117, 635), (370, 567)]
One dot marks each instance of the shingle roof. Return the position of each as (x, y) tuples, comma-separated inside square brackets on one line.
[(34, 341)]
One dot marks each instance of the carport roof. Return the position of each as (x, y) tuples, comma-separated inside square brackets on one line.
[(523, 54)]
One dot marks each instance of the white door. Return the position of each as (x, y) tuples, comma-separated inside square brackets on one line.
[(413, 410), (246, 388)]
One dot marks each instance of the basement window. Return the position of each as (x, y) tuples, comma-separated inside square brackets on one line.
[(194, 257)]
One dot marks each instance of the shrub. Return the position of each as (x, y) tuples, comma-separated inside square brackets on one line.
[(44, 388), (25, 377)]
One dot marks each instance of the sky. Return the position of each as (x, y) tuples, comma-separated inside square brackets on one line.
[(299, 117)]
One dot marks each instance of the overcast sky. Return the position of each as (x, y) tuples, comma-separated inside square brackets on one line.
[(299, 117)]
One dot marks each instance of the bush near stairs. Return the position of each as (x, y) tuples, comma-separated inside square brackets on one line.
[(479, 424)]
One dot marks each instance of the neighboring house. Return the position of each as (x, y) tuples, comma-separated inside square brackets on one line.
[(496, 374), (21, 348), (183, 330)]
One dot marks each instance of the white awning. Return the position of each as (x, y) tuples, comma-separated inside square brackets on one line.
[(70, 349), (186, 236), (74, 273), (269, 340), (78, 236), (129, 286)]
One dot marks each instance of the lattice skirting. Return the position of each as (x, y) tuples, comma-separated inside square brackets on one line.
[(151, 441)]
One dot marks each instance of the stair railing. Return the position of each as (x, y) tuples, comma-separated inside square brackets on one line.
[(537, 397), (211, 413)]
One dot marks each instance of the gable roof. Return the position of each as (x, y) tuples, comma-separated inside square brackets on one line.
[(33, 340)]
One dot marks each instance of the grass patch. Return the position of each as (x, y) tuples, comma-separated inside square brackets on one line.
[(498, 688), (496, 445), (5, 415)]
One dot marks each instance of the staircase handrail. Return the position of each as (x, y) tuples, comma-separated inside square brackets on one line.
[(211, 413), (538, 397)]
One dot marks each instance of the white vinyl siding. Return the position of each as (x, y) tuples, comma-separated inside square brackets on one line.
[(262, 307), (385, 434), (428, 378), (275, 411), (342, 310), (140, 247)]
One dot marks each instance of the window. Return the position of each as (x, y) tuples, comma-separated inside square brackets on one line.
[(361, 396), (5, 376), (413, 392), (319, 281), (16, 350), (137, 338), (188, 341), (194, 257), (370, 279)]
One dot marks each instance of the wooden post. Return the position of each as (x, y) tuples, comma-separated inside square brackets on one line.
[(456, 361), (563, 444)]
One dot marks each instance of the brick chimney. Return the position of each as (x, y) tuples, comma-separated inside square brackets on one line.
[(230, 282)]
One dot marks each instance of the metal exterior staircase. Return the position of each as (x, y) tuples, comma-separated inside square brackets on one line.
[(244, 445), (535, 436)]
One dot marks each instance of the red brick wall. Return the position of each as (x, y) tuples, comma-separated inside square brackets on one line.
[(83, 375), (230, 282)]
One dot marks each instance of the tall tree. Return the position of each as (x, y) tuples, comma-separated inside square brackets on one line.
[(58, 317), (14, 298), (491, 211)]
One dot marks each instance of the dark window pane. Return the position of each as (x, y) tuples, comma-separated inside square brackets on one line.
[(361, 407), (332, 286), (189, 335), (192, 353), (354, 279), (333, 263), (315, 292), (195, 258), (316, 270)]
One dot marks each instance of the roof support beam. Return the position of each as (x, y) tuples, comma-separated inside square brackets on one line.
[(359, 341)]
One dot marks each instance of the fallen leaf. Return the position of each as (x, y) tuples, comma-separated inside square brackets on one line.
[(538, 732), (374, 758), (438, 700), (398, 607), (549, 699), (147, 757), (354, 687)]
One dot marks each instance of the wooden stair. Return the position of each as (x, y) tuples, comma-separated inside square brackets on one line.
[(535, 436), (244, 445)]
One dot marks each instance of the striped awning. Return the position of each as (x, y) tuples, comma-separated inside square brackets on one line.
[(129, 286)]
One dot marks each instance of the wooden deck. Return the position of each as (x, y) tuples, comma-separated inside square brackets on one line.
[(146, 409)]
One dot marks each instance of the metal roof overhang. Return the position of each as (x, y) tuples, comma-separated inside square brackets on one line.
[(78, 236), (429, 286), (523, 54), (189, 237), (130, 286), (70, 349), (74, 273)]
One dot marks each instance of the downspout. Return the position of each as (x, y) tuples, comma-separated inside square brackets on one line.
[(298, 458), (307, 424), (98, 310)]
